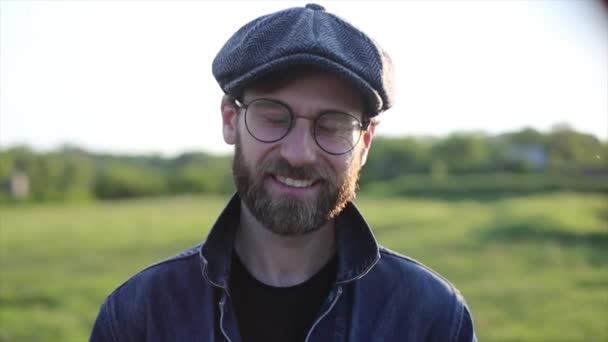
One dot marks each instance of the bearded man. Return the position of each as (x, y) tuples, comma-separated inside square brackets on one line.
[(291, 258)]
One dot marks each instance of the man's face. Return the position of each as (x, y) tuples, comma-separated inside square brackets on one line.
[(291, 186)]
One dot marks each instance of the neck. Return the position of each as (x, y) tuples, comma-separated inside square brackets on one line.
[(278, 260)]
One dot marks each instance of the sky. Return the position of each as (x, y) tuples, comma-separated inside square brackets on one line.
[(135, 76)]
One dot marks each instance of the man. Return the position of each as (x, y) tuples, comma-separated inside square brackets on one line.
[(290, 258)]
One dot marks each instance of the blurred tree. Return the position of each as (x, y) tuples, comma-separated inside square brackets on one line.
[(201, 173), (116, 180), (570, 150), (394, 157), (463, 152), (462, 162)]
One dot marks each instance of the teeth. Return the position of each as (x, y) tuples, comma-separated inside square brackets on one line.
[(296, 183)]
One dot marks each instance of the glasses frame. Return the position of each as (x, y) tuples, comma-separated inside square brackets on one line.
[(363, 126)]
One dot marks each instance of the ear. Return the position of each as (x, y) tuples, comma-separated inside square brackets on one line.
[(367, 138), (229, 119)]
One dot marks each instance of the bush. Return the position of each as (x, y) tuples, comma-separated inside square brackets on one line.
[(123, 181)]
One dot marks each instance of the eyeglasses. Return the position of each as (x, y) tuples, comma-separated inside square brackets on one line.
[(270, 120)]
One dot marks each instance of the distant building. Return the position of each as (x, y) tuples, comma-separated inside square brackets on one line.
[(19, 185), (533, 155)]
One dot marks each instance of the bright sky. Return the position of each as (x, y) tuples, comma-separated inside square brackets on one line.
[(135, 77)]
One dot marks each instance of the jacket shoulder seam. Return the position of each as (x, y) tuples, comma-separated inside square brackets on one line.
[(389, 252), (179, 257), (457, 298), (111, 321), (459, 317)]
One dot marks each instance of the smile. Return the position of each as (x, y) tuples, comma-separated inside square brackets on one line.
[(294, 183)]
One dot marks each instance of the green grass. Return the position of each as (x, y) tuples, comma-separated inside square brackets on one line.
[(532, 268)]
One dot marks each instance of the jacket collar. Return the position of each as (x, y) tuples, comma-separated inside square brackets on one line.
[(358, 250)]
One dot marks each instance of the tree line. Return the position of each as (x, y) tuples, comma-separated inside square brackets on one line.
[(460, 164)]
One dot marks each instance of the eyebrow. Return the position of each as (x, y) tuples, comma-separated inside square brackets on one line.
[(358, 114)]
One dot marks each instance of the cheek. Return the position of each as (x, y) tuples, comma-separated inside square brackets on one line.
[(253, 151), (353, 163), (339, 166)]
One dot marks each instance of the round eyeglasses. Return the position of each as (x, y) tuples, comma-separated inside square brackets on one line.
[(270, 120)]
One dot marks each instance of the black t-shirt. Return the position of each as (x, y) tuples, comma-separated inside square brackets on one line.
[(267, 313)]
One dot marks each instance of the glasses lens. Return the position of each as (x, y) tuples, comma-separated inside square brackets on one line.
[(337, 133), (267, 121)]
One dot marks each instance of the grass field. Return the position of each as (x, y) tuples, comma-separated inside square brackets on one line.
[(532, 268)]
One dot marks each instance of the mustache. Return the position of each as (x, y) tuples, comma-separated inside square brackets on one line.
[(280, 166)]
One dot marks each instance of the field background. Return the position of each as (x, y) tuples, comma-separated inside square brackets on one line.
[(532, 268)]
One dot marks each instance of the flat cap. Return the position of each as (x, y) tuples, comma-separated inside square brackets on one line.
[(302, 37)]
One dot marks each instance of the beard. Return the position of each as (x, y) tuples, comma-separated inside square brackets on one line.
[(292, 215)]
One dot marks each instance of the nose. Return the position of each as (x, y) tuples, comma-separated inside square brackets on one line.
[(299, 147)]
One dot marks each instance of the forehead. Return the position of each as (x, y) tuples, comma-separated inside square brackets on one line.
[(311, 92)]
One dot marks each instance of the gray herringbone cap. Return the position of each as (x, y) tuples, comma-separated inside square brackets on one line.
[(306, 36)]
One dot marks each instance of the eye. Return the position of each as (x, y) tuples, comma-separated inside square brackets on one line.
[(327, 128), (275, 118), (336, 124), (269, 113)]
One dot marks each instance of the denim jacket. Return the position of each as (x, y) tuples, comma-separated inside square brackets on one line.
[(378, 295)]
